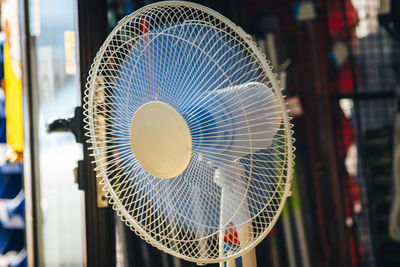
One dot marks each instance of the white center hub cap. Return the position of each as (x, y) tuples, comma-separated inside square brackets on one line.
[(161, 140)]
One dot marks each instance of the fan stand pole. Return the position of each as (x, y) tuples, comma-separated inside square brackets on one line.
[(249, 259), (232, 237)]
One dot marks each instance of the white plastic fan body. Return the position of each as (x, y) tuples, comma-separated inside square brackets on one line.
[(189, 132)]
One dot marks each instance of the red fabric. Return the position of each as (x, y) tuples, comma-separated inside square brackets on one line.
[(354, 190), (345, 135), (345, 82), (340, 24), (342, 21), (144, 26), (231, 235)]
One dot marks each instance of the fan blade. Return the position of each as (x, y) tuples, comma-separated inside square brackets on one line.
[(238, 121)]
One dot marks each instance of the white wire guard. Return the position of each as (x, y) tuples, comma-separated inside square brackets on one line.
[(199, 62)]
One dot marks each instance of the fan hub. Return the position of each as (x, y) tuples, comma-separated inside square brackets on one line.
[(161, 140)]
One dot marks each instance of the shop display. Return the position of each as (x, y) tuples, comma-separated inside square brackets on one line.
[(12, 199), (337, 61)]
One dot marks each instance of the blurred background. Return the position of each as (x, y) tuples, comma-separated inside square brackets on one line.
[(338, 63)]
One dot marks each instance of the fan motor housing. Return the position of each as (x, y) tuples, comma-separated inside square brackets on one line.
[(161, 139)]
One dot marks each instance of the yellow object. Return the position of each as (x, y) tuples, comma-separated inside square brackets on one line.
[(13, 104)]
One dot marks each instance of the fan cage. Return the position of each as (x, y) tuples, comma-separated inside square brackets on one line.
[(177, 240)]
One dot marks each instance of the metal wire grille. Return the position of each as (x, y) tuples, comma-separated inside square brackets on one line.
[(210, 71)]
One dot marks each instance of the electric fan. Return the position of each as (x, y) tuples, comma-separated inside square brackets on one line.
[(189, 132)]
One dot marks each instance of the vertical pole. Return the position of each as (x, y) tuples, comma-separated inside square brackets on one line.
[(100, 228)]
